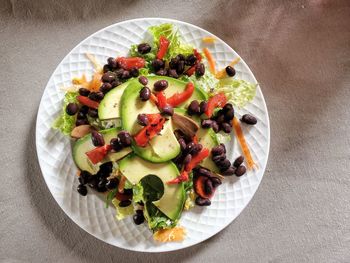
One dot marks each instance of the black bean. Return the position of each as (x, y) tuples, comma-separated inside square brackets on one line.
[(126, 75), (160, 85), (81, 122), (203, 106), (204, 172), (93, 181), (93, 113), (173, 74), (220, 117), (249, 119), (102, 183), (101, 188), (200, 69), (106, 168), (208, 187), (82, 189), (240, 170), (182, 144), (226, 127), (206, 123), (125, 138), (124, 203), (127, 191), (84, 177), (161, 72), (215, 127), (158, 64), (223, 145), (142, 119), (81, 115), (144, 48), (180, 57), (116, 83), (239, 160), (180, 67), (72, 108), (229, 115), (112, 63), (119, 72), (138, 218), (96, 96), (167, 110), (143, 80), (173, 63), (105, 87), (109, 76), (116, 144), (97, 139), (145, 93), (84, 92), (193, 108), (190, 60), (106, 68), (189, 147), (218, 150), (84, 109), (230, 71), (229, 171), (202, 201), (216, 181), (134, 72), (224, 165), (112, 183), (187, 159), (196, 149), (217, 159), (227, 107)]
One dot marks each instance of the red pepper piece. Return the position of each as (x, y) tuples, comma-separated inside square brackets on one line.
[(153, 98), (219, 100), (129, 63), (156, 122), (179, 98), (191, 70), (98, 154), (88, 102), (163, 47), (204, 153), (162, 102), (197, 55), (183, 177)]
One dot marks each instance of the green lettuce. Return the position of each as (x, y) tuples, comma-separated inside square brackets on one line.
[(64, 122), (176, 44), (148, 57)]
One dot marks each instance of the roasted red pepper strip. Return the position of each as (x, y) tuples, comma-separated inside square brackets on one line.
[(219, 100), (179, 98), (190, 71), (98, 154), (156, 122), (163, 47), (197, 55), (88, 102), (162, 102), (129, 63), (204, 153), (183, 177), (153, 98)]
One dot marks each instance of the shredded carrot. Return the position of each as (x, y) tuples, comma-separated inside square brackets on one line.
[(208, 40), (175, 234), (95, 63), (153, 98), (243, 143), (210, 59), (222, 73), (96, 82), (121, 184), (81, 81)]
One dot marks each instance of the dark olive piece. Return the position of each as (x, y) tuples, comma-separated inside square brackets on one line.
[(202, 201), (142, 119), (240, 170), (112, 183), (72, 108), (97, 139), (84, 177), (143, 80), (82, 190), (144, 48), (93, 181), (84, 92), (249, 119), (160, 85), (239, 160), (145, 93)]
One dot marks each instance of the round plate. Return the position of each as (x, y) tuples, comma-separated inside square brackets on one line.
[(89, 212)]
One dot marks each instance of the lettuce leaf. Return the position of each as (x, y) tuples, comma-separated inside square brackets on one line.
[(122, 212), (64, 122), (176, 44), (148, 57)]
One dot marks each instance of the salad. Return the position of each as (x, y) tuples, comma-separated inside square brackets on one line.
[(148, 129)]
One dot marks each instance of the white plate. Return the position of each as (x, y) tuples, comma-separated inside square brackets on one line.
[(59, 171)]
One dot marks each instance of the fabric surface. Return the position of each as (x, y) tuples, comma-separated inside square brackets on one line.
[(300, 53)]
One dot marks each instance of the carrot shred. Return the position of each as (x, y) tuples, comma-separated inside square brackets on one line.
[(210, 59), (208, 40), (121, 184), (154, 99), (242, 142), (222, 73), (96, 82)]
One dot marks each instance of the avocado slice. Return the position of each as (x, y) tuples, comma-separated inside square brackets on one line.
[(163, 147), (84, 145), (171, 203), (174, 86), (109, 107)]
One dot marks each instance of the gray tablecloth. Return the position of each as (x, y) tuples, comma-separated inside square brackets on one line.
[(300, 53)]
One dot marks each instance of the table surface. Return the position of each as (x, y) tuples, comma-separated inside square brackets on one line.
[(300, 53)]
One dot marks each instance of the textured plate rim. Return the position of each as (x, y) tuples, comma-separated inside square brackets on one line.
[(263, 168)]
